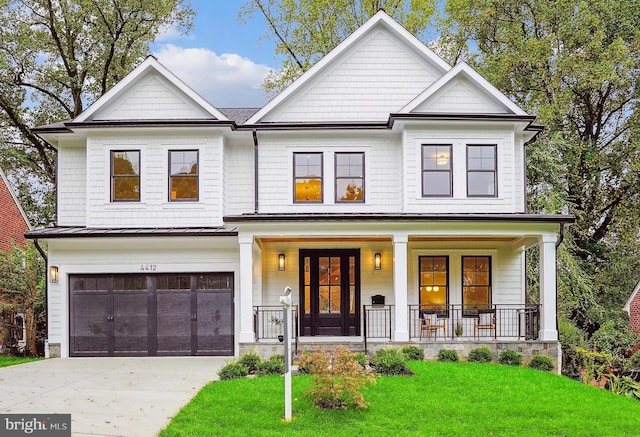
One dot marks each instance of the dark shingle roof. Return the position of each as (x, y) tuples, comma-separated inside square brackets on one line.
[(239, 115)]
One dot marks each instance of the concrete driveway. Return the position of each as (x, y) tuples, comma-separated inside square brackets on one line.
[(107, 396)]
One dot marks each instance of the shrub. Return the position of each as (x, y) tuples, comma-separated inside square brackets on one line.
[(412, 352), (232, 370), (615, 339), (361, 358), (448, 355), (571, 337), (541, 362), (623, 385), (338, 379), (250, 361), (510, 358), (594, 363), (273, 366), (390, 362), (480, 355), (633, 362)]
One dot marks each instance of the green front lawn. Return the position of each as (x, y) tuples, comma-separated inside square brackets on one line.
[(10, 361), (442, 399)]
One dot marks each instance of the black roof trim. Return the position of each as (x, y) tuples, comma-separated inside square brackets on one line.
[(517, 217), (456, 116), (150, 123), (82, 232), (316, 125)]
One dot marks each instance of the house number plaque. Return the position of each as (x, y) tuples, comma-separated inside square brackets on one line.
[(148, 267)]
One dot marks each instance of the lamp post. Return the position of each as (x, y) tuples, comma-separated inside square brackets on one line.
[(285, 300)]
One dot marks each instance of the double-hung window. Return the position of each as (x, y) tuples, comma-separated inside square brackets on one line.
[(436, 170), (125, 175), (183, 175), (434, 283), (481, 170), (349, 177), (476, 283), (307, 177)]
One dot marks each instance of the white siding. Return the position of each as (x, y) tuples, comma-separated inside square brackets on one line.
[(72, 184), (509, 169), (238, 177), (372, 281), (461, 96), (154, 98), (383, 180), (506, 273), (365, 83), (154, 209)]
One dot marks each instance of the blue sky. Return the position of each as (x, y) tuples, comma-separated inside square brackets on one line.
[(222, 59)]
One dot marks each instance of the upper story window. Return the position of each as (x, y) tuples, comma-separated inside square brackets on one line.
[(436, 170), (183, 175), (349, 177), (307, 177), (481, 170), (125, 175)]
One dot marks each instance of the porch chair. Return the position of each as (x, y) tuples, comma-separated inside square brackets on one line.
[(430, 322), (486, 320)]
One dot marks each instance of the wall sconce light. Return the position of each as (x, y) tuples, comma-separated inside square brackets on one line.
[(281, 262), (377, 261), (53, 274)]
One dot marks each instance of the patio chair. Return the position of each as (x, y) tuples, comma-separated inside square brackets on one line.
[(486, 321), (431, 323)]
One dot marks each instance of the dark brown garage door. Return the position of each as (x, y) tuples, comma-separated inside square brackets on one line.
[(139, 315)]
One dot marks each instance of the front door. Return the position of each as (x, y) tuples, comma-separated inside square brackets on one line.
[(330, 292)]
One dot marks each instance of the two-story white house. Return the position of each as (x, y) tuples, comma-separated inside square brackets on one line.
[(384, 186)]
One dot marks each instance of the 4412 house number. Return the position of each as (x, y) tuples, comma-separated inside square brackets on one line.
[(148, 267)]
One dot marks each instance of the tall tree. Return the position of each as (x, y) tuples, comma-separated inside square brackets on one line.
[(575, 64), (306, 30), (57, 57)]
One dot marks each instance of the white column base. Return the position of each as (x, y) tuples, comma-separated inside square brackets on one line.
[(401, 336), (247, 337), (548, 335)]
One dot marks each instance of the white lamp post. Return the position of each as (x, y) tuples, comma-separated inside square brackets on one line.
[(285, 300)]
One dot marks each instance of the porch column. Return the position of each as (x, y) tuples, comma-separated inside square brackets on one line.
[(548, 292), (401, 328), (246, 289)]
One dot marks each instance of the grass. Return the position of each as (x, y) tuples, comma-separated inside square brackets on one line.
[(12, 361), (442, 399)]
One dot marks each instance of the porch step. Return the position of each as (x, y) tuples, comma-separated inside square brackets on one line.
[(329, 346)]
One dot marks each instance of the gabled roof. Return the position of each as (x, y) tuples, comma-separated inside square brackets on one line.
[(150, 64), (464, 70), (627, 305), (380, 19)]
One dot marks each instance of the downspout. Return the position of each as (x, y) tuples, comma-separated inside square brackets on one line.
[(558, 243), (255, 170), (46, 284)]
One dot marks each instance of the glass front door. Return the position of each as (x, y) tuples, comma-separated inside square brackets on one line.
[(330, 292)]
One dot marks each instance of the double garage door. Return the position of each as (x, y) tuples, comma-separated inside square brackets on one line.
[(140, 315)]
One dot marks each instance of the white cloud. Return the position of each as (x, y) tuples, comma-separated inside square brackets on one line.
[(226, 80)]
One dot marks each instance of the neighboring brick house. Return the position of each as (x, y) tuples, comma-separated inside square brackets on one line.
[(384, 186), (13, 221), (632, 307), (13, 225)]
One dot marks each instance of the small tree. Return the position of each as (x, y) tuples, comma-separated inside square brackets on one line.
[(338, 379), (22, 289)]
